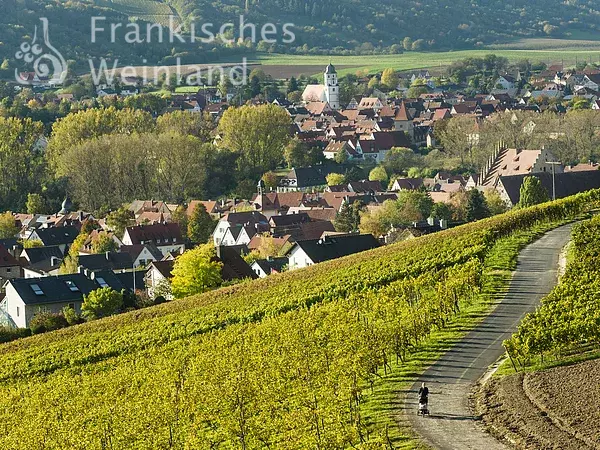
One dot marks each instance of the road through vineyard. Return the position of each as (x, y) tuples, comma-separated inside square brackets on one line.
[(451, 379)]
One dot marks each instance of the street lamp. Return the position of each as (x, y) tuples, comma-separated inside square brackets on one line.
[(553, 164)]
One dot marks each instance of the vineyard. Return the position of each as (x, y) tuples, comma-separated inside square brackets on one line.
[(283, 362), (570, 315), (151, 11)]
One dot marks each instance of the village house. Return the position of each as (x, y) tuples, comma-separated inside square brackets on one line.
[(165, 236), (9, 266), (25, 297), (505, 162), (232, 225), (62, 237), (41, 261), (265, 267), (309, 252)]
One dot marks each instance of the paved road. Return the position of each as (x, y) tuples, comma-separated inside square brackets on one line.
[(451, 379)]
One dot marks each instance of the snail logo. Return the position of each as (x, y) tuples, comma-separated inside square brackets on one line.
[(48, 64)]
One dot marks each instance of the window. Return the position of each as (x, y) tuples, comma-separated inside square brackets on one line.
[(8, 269), (36, 289), (72, 286), (72, 306), (17, 311), (102, 282)]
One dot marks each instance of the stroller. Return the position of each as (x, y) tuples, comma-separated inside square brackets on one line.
[(423, 406)]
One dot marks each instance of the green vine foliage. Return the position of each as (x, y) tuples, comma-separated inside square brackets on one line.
[(284, 362), (570, 315)]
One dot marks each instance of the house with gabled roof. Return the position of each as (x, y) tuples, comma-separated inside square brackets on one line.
[(9, 266), (506, 161), (25, 297), (63, 237), (41, 261), (231, 225), (165, 236), (308, 252), (265, 267), (303, 179)]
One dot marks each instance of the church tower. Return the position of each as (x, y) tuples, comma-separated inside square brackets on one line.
[(332, 89)]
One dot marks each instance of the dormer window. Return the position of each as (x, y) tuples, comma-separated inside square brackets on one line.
[(36, 289), (72, 286)]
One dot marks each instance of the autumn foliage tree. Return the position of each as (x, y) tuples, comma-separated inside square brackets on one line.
[(258, 133), (196, 271)]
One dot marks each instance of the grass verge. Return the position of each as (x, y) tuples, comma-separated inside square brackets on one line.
[(382, 410)]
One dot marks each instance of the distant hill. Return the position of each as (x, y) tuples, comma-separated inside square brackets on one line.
[(322, 26)]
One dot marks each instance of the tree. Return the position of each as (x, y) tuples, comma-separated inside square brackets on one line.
[(407, 43), (495, 203), (119, 220), (184, 124), (532, 193), (295, 153), (378, 174), (413, 206), (102, 302), (8, 226), (335, 179), (416, 91), (21, 162), (271, 179), (35, 204), (196, 271), (399, 159), (456, 136), (347, 219), (200, 225), (292, 85), (104, 243), (258, 133), (32, 243), (389, 79), (180, 217), (441, 211), (74, 129), (477, 207), (341, 157), (71, 262)]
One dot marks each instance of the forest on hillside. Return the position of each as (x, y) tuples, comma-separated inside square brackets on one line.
[(321, 26)]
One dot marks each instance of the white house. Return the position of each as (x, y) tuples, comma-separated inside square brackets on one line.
[(158, 278), (265, 267), (165, 236), (25, 297), (229, 227), (308, 252)]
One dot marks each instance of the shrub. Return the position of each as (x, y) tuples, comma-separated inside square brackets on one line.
[(47, 321), (8, 334), (101, 303), (71, 316)]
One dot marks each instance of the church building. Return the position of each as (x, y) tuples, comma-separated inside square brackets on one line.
[(328, 92)]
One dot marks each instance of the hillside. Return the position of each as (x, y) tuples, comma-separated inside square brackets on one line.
[(283, 362), (322, 26)]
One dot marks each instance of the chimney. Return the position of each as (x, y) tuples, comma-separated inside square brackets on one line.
[(431, 221), (80, 270), (54, 261), (80, 216), (443, 224)]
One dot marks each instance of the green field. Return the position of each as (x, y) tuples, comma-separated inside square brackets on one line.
[(417, 60)]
